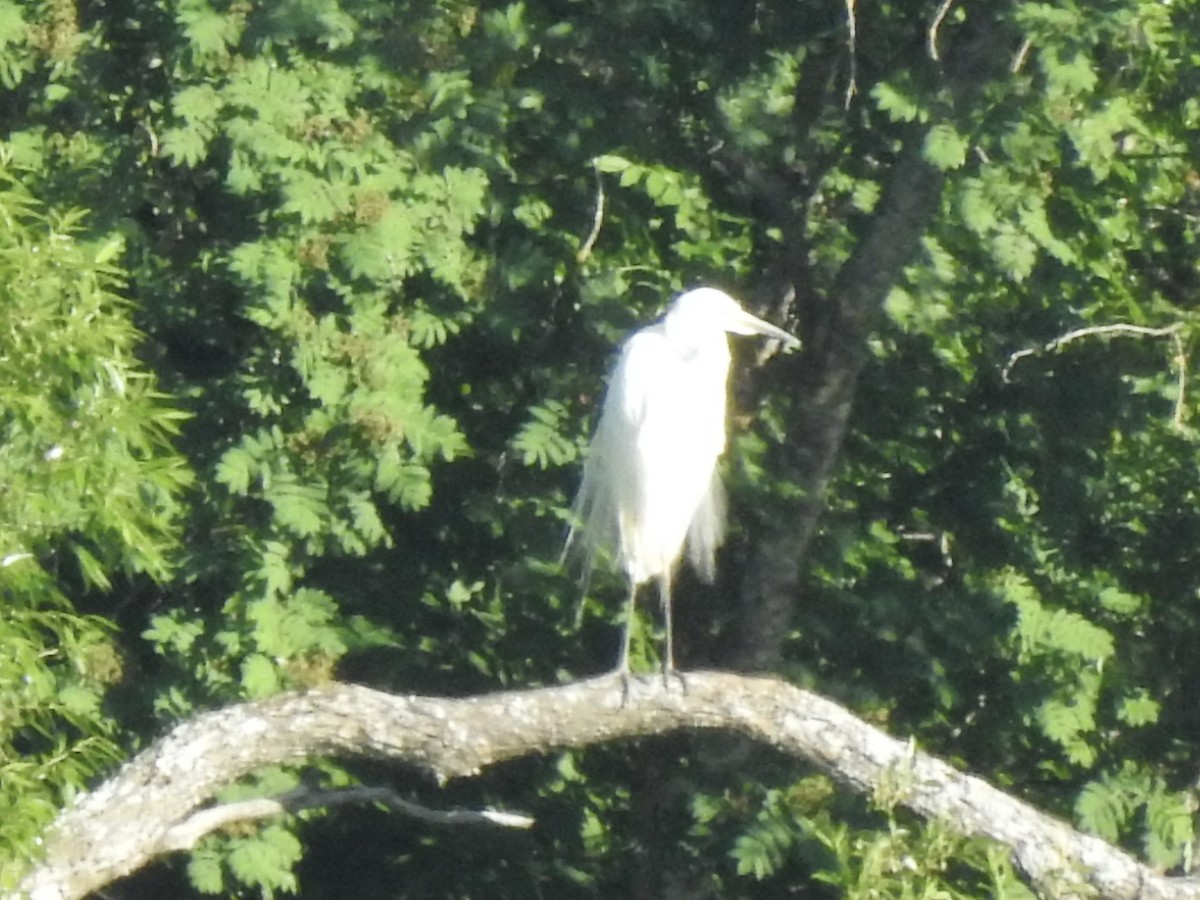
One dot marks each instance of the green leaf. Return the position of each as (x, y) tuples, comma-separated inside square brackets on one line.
[(209, 32), (235, 470), (299, 507), (171, 631), (1070, 74), (866, 196), (897, 103), (185, 146), (267, 859), (1170, 828), (198, 103), (1014, 251), (609, 163), (91, 568), (1101, 811), (205, 872), (541, 441), (1119, 602), (755, 856), (945, 147), (977, 209), (290, 627), (259, 676), (1138, 710), (79, 700)]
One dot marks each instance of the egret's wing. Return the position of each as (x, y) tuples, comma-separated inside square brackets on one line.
[(608, 479), (707, 531), (637, 373), (593, 517)]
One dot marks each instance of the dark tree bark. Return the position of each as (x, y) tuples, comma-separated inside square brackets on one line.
[(836, 326), (835, 351)]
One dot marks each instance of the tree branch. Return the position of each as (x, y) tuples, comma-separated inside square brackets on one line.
[(1122, 329), (835, 331), (1115, 329), (185, 834), (136, 815), (585, 250), (852, 51), (934, 27)]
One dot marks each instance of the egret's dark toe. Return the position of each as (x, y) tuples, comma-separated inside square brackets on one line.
[(671, 672)]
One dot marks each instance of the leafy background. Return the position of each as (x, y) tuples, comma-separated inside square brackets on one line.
[(303, 322)]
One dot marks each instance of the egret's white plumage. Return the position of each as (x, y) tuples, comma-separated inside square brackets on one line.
[(650, 483)]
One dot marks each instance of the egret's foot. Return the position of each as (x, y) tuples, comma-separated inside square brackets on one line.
[(670, 671), (622, 672)]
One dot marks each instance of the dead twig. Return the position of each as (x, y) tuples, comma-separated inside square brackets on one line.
[(852, 47), (1181, 366), (934, 26), (1022, 54), (1117, 329), (1121, 329), (597, 219), (185, 834)]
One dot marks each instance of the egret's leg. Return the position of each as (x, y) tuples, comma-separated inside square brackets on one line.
[(664, 592), (630, 611)]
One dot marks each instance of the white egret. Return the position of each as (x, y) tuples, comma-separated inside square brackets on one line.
[(650, 481)]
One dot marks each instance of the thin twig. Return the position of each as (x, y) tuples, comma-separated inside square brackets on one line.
[(852, 46), (1181, 365), (1022, 53), (1190, 218), (597, 219), (184, 835), (1119, 328), (934, 26)]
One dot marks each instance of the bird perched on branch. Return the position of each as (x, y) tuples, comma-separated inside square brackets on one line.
[(650, 481)]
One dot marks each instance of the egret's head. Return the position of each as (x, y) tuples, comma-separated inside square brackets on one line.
[(707, 311)]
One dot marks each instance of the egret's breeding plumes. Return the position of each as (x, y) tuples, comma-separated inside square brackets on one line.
[(650, 482)]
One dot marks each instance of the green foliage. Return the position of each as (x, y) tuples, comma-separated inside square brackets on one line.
[(264, 856), (701, 234), (92, 490), (310, 432), (945, 147), (81, 417), (858, 853), (541, 441), (759, 107), (1130, 804), (381, 255), (899, 101)]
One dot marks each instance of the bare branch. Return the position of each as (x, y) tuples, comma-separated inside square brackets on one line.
[(1022, 54), (852, 47), (835, 325), (185, 834), (597, 219), (136, 815), (934, 26), (1181, 366), (1118, 329)]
